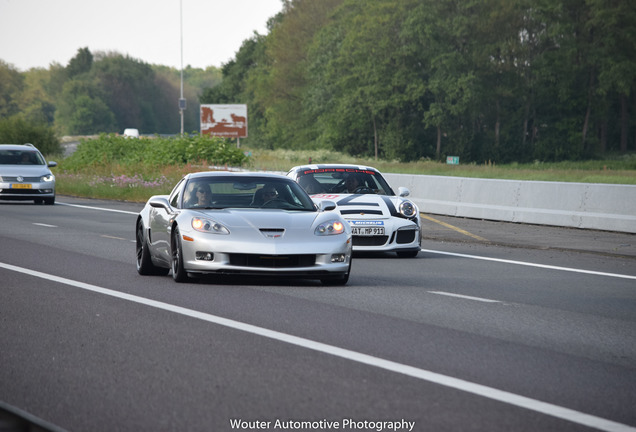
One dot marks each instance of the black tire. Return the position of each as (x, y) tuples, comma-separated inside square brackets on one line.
[(49, 201), (178, 272), (340, 280), (145, 267)]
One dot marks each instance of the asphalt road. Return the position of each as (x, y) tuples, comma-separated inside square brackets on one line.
[(493, 327)]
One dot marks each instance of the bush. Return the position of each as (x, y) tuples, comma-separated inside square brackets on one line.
[(157, 151), (15, 130)]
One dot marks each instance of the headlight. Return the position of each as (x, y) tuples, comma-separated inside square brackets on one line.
[(330, 228), (47, 178), (208, 226), (407, 209)]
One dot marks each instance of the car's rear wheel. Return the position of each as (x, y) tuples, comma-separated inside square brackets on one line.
[(178, 272), (145, 266)]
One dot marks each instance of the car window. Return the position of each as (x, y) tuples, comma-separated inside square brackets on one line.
[(176, 194), (220, 192), (21, 157), (333, 180)]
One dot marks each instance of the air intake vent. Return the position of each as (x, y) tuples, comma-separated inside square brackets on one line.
[(272, 232), (272, 261)]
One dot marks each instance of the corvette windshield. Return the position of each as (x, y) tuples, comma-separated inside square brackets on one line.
[(220, 192)]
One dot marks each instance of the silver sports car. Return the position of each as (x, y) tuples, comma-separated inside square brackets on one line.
[(244, 224), (380, 219)]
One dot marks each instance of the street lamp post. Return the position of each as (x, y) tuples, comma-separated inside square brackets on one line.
[(182, 101)]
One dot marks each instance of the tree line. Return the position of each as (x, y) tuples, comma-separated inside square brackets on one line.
[(103, 93), (485, 80)]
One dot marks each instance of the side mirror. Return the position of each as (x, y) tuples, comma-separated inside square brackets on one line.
[(403, 192), (52, 164), (160, 202), (327, 205)]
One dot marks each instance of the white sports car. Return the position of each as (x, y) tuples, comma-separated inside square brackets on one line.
[(245, 224), (380, 220)]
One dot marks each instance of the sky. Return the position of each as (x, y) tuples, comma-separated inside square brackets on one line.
[(37, 33)]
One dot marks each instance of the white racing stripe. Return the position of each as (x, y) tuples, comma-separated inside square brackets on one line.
[(523, 263), (422, 374)]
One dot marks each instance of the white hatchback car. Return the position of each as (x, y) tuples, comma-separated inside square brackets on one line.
[(25, 174), (380, 219)]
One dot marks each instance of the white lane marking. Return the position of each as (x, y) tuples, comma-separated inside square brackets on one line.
[(113, 237), (523, 263), (422, 374), (485, 300), (44, 225), (98, 208)]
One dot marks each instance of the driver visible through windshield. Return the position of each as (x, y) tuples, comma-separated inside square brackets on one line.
[(255, 192)]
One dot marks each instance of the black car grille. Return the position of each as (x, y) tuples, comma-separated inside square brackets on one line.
[(24, 179), (272, 261), (21, 192), (361, 211), (405, 236), (369, 240)]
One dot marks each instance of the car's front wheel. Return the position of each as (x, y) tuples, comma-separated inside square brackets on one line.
[(340, 280), (178, 272)]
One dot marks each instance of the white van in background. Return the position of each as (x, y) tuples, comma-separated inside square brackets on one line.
[(131, 133)]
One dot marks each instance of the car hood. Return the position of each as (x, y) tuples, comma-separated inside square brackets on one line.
[(363, 206), (258, 219), (266, 230)]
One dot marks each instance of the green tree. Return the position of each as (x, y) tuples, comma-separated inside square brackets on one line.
[(81, 109), (360, 65), (37, 103), (130, 90), (16, 130), (612, 25), (81, 63), (280, 83), (11, 85)]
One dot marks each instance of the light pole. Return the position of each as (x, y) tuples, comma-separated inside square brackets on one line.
[(182, 101)]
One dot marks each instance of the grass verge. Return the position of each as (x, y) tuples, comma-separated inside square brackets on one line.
[(109, 178)]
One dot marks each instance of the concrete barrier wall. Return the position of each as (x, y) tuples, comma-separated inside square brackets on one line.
[(578, 205)]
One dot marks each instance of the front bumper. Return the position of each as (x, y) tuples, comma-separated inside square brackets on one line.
[(400, 235), (26, 191), (212, 254)]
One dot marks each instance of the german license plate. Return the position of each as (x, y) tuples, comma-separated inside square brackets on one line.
[(21, 186), (367, 231)]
